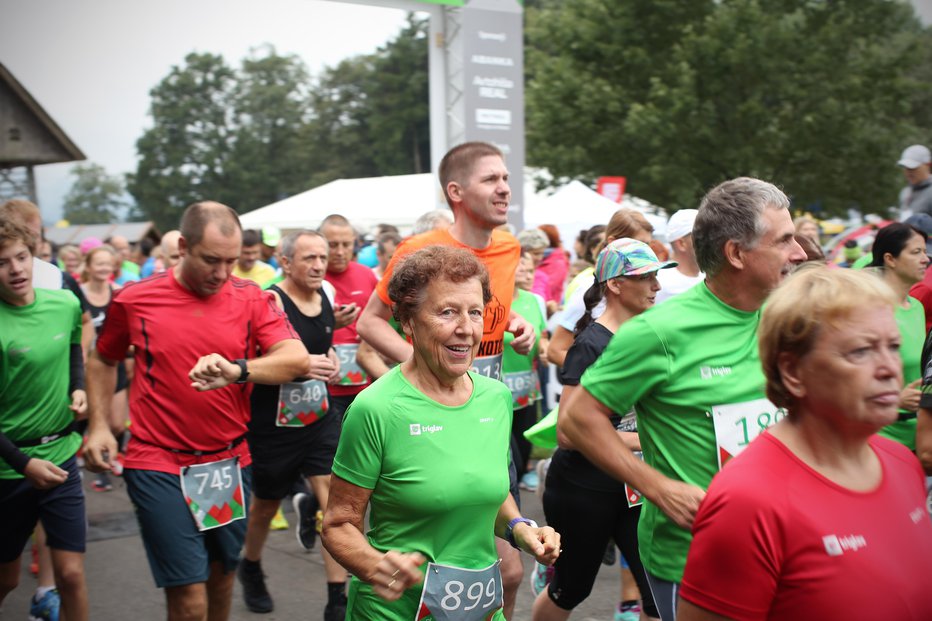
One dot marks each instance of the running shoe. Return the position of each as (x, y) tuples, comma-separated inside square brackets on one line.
[(279, 522), (540, 578), (336, 610), (608, 557), (628, 613), (305, 508), (102, 483), (45, 609), (255, 593), (529, 481)]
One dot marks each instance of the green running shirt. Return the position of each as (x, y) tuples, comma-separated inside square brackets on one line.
[(673, 364), (35, 343), (912, 324), (438, 475)]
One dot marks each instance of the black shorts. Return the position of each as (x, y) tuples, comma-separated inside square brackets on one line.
[(122, 378), (60, 509), (280, 457), (587, 521), (179, 553)]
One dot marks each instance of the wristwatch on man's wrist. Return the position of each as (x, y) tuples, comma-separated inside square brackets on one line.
[(243, 371), (509, 530)]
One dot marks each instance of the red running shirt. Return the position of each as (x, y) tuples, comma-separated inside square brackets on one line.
[(171, 328), (776, 540), (354, 284)]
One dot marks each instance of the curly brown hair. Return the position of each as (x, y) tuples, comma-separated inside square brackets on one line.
[(407, 288)]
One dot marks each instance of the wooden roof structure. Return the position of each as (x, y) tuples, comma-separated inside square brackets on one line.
[(28, 135)]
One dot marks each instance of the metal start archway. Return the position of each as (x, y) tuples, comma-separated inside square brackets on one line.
[(476, 65)]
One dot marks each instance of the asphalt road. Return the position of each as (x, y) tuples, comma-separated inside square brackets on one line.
[(121, 587)]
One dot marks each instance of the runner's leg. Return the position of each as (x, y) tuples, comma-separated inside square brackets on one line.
[(9, 577), (512, 574), (261, 512), (219, 592), (187, 602), (70, 579)]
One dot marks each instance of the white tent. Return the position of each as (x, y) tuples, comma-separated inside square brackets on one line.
[(575, 207), (401, 199), (397, 200)]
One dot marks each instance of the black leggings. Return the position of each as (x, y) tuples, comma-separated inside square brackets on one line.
[(587, 520)]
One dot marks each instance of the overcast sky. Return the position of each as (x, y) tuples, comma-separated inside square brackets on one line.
[(91, 63)]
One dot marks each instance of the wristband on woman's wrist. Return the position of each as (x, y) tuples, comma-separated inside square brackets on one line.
[(509, 530)]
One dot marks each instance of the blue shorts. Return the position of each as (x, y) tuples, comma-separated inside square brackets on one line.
[(178, 552), (60, 509)]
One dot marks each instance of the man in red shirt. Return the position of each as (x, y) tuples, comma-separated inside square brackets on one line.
[(475, 182), (353, 283), (196, 333)]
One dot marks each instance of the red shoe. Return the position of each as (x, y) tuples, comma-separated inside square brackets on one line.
[(34, 565)]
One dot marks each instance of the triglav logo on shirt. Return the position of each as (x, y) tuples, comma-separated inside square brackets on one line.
[(417, 430), (836, 546), (710, 372)]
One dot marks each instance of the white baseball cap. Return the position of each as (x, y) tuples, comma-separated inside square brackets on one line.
[(915, 156), (680, 224)]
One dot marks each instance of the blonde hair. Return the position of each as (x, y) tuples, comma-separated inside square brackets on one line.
[(85, 271), (812, 297)]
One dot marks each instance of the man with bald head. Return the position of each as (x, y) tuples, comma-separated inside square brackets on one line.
[(127, 270), (169, 245), (198, 334)]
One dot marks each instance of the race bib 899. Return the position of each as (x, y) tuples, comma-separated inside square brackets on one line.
[(457, 594)]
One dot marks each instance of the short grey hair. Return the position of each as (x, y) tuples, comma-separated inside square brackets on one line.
[(291, 239), (733, 211), (533, 239), (428, 221)]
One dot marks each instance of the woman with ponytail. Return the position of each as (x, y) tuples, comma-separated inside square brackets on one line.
[(624, 223), (590, 508)]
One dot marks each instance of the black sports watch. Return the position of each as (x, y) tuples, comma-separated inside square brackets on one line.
[(243, 371)]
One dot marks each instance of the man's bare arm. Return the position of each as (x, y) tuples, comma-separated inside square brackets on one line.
[(373, 327)]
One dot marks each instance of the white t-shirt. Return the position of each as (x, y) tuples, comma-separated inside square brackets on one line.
[(575, 308), (674, 282), (45, 275)]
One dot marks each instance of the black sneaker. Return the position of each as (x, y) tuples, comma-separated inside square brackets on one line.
[(608, 558), (255, 594), (336, 610), (305, 507)]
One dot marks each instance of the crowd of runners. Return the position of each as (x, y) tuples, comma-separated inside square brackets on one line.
[(746, 423)]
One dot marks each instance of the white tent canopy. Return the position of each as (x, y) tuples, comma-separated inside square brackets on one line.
[(397, 200), (401, 199), (575, 207)]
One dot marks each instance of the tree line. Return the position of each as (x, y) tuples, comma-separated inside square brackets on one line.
[(819, 96)]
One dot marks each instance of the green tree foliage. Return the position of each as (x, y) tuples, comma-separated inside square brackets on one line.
[(256, 135), (269, 158), (95, 197), (182, 156), (372, 111), (678, 95)]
